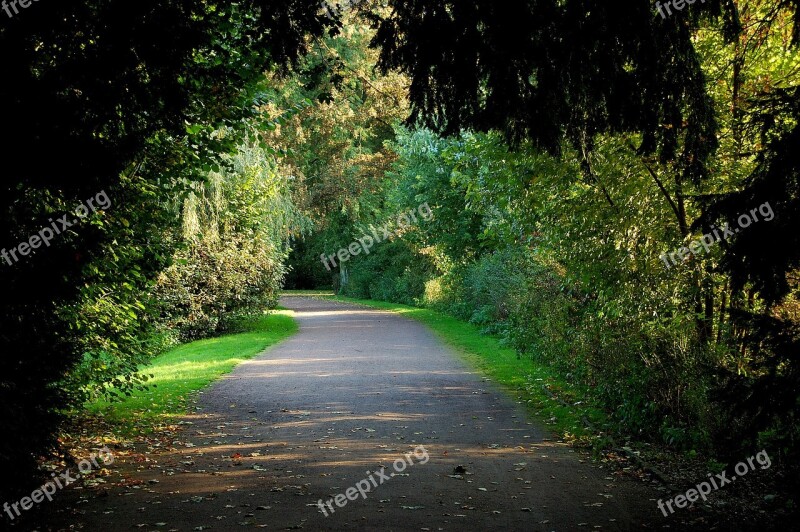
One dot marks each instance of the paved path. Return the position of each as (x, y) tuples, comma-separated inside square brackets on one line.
[(356, 391)]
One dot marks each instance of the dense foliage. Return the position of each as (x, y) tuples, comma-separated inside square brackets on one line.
[(566, 150), (659, 131), (127, 99), (237, 225)]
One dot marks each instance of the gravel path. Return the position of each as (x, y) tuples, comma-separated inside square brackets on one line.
[(355, 391)]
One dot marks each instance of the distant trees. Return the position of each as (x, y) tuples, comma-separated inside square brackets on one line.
[(336, 147)]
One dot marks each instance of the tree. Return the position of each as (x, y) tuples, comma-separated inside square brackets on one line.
[(336, 148), (122, 98), (703, 103), (237, 226)]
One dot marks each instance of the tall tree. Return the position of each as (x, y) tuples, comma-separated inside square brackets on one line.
[(551, 71), (122, 98), (572, 73)]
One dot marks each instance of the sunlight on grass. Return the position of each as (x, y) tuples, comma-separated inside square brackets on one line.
[(308, 293), (191, 367)]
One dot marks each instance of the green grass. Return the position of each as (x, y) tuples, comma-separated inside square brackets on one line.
[(180, 372), (308, 293), (520, 376)]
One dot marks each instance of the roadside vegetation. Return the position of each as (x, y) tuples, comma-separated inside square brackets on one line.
[(177, 375), (546, 394), (563, 152)]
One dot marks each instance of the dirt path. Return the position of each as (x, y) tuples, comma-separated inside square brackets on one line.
[(353, 392)]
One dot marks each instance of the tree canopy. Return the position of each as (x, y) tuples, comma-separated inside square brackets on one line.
[(573, 156), (125, 98)]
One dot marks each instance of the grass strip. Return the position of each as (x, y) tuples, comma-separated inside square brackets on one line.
[(308, 293), (188, 368)]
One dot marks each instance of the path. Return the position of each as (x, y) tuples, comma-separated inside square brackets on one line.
[(352, 392)]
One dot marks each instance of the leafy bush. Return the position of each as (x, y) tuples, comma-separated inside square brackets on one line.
[(392, 272), (236, 228), (211, 286)]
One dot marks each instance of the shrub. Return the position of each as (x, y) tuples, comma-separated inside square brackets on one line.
[(392, 272), (209, 287), (236, 227)]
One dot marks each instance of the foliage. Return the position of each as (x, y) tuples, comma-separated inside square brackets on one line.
[(554, 69), (237, 226), (392, 272), (123, 98), (335, 149)]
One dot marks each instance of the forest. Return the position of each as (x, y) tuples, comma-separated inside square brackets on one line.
[(610, 192)]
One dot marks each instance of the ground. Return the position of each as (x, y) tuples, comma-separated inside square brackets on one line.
[(360, 397)]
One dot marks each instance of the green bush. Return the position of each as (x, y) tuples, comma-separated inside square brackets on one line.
[(646, 377), (236, 227), (210, 287), (392, 272)]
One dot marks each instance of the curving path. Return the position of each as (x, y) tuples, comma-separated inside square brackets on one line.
[(353, 392)]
